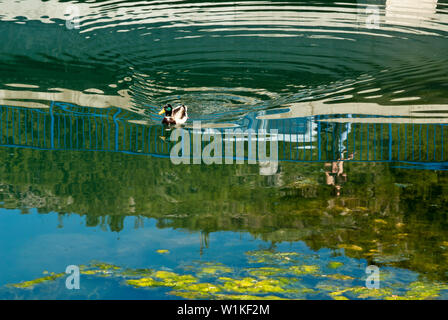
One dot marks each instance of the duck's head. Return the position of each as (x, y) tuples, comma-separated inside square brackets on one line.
[(167, 110)]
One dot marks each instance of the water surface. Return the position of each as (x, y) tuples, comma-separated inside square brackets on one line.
[(86, 178)]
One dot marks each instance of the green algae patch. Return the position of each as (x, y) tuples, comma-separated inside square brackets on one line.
[(104, 266), (211, 270), (266, 256), (266, 271), (30, 284), (338, 276), (91, 272), (191, 295), (100, 269), (334, 264), (247, 297), (161, 278), (280, 277), (338, 296), (197, 291), (204, 287), (417, 291), (420, 290), (145, 282), (338, 293), (252, 285), (365, 293), (172, 279), (304, 269), (136, 273)]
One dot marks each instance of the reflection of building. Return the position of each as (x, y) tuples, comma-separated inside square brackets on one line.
[(434, 113), (410, 12), (301, 130)]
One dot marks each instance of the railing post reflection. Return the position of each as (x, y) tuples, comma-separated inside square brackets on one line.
[(52, 124), (390, 141)]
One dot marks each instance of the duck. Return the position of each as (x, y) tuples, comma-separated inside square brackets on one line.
[(174, 116)]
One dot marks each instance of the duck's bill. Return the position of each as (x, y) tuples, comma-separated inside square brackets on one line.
[(162, 111)]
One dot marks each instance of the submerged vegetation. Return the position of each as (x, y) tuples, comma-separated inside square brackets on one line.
[(386, 215), (270, 276), (32, 283)]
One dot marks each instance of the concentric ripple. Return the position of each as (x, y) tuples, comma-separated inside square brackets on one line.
[(225, 59)]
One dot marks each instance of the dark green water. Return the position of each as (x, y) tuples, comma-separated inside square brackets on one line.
[(86, 177)]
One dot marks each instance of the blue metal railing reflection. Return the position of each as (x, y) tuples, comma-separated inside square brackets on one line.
[(308, 139)]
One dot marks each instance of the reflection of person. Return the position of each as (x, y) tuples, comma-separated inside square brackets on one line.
[(336, 176)]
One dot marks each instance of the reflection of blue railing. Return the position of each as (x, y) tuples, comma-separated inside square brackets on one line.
[(309, 139), (382, 141), (66, 127)]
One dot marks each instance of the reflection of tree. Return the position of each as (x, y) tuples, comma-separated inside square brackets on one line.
[(384, 215)]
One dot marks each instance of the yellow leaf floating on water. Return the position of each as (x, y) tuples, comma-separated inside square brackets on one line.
[(163, 251)]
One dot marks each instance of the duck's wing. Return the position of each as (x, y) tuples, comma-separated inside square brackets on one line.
[(180, 112)]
